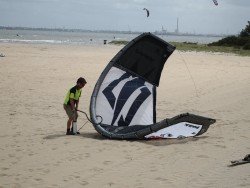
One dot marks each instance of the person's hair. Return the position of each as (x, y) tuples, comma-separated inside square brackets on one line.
[(81, 80)]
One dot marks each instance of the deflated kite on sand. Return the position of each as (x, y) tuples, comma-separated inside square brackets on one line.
[(125, 95)]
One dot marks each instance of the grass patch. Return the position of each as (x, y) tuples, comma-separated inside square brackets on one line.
[(184, 46), (119, 42), (189, 46)]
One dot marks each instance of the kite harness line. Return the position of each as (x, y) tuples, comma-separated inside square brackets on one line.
[(82, 126), (90, 119), (189, 74)]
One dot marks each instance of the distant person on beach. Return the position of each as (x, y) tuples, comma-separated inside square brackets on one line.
[(71, 104)]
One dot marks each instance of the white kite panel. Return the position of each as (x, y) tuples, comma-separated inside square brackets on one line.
[(125, 100)]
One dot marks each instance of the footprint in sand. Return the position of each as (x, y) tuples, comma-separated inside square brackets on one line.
[(161, 179), (38, 179), (30, 170), (11, 155), (84, 183), (4, 168), (87, 155), (220, 146), (107, 162), (76, 176), (111, 184), (3, 175), (31, 154), (153, 170), (45, 171), (202, 156)]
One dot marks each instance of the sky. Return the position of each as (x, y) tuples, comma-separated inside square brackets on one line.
[(195, 16)]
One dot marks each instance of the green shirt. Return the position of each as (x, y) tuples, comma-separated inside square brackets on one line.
[(74, 94)]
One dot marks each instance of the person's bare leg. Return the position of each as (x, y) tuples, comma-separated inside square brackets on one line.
[(69, 122)]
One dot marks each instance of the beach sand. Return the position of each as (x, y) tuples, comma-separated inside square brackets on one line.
[(35, 152)]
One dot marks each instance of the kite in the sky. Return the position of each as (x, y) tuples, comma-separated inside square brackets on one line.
[(123, 103), (147, 11), (215, 2)]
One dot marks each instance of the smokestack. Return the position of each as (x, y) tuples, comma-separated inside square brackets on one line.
[(177, 26)]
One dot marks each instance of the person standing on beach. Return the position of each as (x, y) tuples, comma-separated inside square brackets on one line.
[(71, 102)]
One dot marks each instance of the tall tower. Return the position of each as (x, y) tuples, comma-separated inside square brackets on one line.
[(177, 26)]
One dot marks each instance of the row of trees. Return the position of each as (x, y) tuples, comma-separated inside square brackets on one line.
[(240, 41)]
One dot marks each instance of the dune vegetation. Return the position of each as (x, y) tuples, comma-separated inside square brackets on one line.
[(236, 44)]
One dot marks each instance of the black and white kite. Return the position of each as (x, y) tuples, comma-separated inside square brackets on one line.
[(215, 2), (146, 11), (125, 95)]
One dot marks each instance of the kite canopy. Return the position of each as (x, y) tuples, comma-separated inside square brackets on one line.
[(215, 2), (125, 94), (145, 57), (146, 11)]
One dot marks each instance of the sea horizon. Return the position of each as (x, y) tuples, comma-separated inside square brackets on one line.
[(91, 37)]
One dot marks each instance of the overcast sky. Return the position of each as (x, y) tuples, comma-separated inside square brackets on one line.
[(199, 16)]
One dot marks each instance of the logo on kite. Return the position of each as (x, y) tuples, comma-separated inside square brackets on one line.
[(147, 11), (119, 102), (215, 2)]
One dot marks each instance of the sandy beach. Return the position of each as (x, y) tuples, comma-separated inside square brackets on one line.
[(35, 152)]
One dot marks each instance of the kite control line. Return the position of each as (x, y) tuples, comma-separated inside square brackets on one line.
[(90, 119), (82, 126), (190, 74)]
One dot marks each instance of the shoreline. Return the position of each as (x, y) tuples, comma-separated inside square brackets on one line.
[(108, 31), (180, 47)]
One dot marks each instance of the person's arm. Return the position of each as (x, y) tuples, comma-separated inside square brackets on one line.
[(71, 99), (72, 104), (77, 104)]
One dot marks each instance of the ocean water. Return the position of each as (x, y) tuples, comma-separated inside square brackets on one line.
[(85, 38)]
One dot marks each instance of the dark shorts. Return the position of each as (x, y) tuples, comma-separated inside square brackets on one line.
[(69, 112)]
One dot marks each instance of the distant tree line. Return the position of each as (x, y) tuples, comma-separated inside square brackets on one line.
[(238, 41)]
